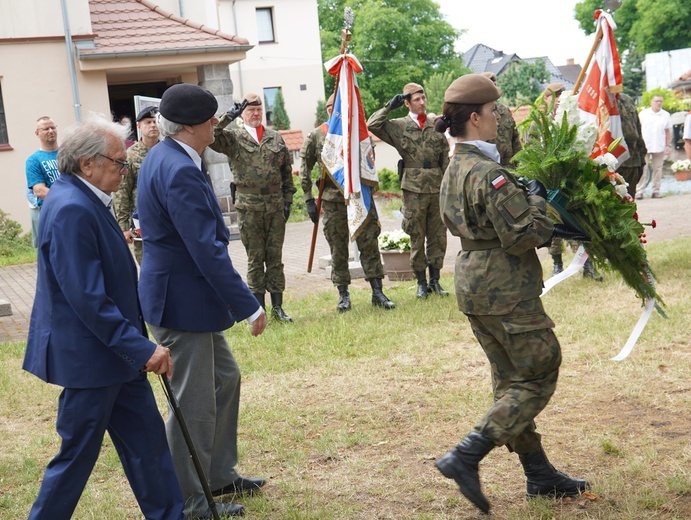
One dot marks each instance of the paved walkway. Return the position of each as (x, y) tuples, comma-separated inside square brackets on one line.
[(17, 283)]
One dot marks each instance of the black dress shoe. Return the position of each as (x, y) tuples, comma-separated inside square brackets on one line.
[(240, 486), (227, 509)]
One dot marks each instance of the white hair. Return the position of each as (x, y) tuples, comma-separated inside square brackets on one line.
[(168, 127)]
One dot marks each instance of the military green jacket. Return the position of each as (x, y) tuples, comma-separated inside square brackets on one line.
[(256, 166), (424, 151), (507, 141), (500, 226), (311, 154), (631, 128), (125, 199)]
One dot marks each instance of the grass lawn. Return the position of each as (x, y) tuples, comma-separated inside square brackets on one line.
[(345, 414)]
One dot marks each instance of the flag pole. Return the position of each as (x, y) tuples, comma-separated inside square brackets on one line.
[(581, 75), (345, 38)]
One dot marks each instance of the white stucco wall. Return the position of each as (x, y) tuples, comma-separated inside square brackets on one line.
[(662, 68)]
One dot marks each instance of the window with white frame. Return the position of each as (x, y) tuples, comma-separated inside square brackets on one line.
[(265, 25)]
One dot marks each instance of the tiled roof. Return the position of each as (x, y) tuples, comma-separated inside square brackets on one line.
[(140, 26), (481, 58), (554, 72), (293, 139)]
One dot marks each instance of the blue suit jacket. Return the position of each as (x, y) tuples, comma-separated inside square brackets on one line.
[(86, 327), (187, 280)]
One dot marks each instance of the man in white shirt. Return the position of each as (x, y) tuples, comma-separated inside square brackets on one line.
[(687, 135), (656, 126)]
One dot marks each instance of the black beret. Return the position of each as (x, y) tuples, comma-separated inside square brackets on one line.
[(188, 104), (147, 112)]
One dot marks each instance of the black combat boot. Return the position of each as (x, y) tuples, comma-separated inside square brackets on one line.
[(544, 480), (422, 287), (461, 465), (434, 286), (379, 299), (590, 272), (260, 299), (558, 264), (277, 311), (344, 299)]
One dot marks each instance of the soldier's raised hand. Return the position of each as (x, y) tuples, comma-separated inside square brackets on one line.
[(237, 109), (396, 101)]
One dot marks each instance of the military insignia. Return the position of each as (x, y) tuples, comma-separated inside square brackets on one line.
[(499, 182)]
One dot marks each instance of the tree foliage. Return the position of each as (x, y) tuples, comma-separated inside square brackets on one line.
[(522, 82), (643, 26), (435, 87), (280, 118), (321, 114), (396, 43)]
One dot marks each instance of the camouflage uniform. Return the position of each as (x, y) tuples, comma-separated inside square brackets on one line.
[(426, 155), (632, 168), (336, 217), (262, 174), (498, 281), (507, 141), (125, 199)]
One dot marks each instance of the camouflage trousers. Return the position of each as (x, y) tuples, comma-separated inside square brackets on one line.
[(556, 246), (422, 221), (336, 233), (525, 356), (137, 248), (262, 233)]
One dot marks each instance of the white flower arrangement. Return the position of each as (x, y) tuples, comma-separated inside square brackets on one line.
[(587, 132), (681, 165), (397, 240)]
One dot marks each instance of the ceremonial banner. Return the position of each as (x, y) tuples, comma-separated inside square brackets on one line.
[(348, 154), (596, 101)]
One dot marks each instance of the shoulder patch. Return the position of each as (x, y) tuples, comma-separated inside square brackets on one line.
[(499, 182)]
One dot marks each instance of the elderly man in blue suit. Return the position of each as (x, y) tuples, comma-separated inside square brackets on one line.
[(87, 334), (191, 294)]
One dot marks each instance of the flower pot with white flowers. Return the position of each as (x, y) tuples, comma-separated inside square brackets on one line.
[(682, 170), (394, 247)]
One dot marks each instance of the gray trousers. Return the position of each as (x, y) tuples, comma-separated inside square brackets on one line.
[(206, 382)]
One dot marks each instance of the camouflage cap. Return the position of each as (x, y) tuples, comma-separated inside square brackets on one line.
[(187, 104), (412, 88), (490, 75), (147, 112), (472, 89), (557, 88), (330, 101), (253, 100)]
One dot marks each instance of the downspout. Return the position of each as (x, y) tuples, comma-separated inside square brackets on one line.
[(235, 30), (70, 59), (181, 4)]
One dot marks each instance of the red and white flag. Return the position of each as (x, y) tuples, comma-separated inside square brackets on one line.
[(597, 99)]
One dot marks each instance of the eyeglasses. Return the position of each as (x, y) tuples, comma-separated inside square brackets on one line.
[(123, 164)]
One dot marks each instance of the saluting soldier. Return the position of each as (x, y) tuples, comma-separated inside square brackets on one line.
[(125, 199), (498, 281), (263, 191), (425, 155), (336, 224), (508, 141)]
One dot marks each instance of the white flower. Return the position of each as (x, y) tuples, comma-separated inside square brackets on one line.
[(681, 165), (621, 190), (568, 103), (608, 160), (586, 137), (397, 240)]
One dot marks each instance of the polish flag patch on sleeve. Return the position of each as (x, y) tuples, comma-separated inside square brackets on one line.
[(499, 182)]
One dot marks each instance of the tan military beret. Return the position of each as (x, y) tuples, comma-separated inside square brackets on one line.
[(253, 100), (412, 88), (330, 101), (472, 89), (556, 88), (490, 75)]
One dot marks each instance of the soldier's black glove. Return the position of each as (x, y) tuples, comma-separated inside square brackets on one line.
[(311, 206), (396, 101), (237, 109), (286, 210), (568, 233), (536, 188)]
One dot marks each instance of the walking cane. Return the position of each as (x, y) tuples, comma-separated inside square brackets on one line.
[(190, 446)]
